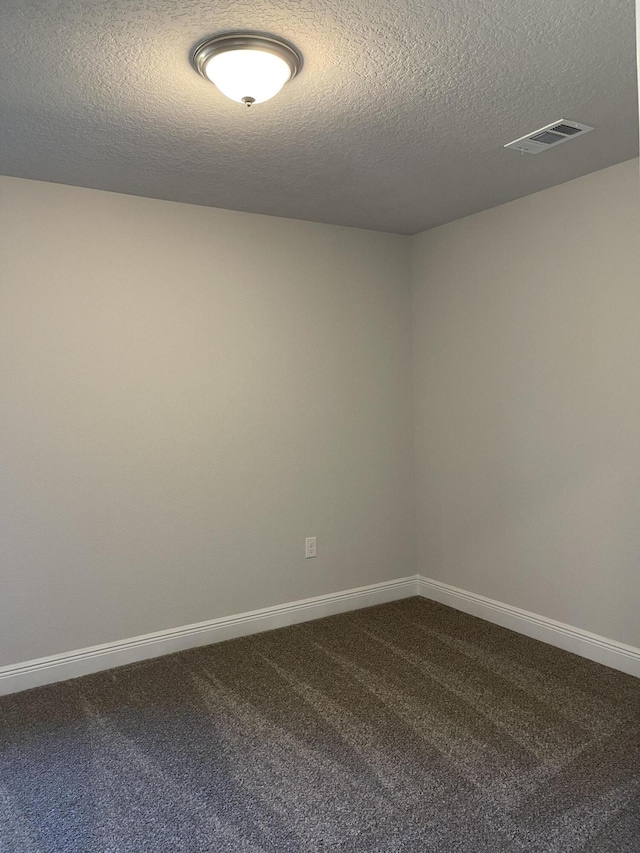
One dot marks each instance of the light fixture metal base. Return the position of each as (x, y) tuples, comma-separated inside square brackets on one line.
[(245, 41)]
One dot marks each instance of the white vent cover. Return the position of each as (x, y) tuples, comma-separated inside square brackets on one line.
[(549, 136)]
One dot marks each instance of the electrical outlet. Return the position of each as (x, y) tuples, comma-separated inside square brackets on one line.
[(310, 549)]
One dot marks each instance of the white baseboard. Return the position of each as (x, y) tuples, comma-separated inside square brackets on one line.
[(61, 667), (600, 649), (36, 673)]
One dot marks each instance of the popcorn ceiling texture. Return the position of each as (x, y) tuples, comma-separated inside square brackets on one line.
[(396, 122)]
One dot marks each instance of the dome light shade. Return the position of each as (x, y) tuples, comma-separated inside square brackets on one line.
[(248, 76), (246, 68)]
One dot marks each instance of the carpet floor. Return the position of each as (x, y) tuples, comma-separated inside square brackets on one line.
[(406, 727)]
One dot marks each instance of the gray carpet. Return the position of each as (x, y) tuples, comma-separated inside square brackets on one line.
[(407, 727)]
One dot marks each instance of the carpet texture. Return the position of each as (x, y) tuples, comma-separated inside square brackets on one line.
[(406, 727)]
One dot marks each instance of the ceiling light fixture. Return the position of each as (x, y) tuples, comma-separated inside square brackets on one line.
[(247, 68)]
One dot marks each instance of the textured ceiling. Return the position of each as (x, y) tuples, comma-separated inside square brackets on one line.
[(396, 122)]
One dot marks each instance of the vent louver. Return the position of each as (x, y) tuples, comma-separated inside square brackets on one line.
[(549, 136)]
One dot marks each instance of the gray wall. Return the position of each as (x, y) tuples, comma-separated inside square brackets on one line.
[(526, 338), (186, 394)]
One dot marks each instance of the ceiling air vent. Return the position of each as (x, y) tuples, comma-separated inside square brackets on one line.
[(547, 137)]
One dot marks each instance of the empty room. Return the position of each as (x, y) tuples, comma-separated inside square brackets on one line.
[(319, 426)]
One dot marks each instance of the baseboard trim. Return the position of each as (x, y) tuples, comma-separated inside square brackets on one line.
[(36, 673), (592, 646)]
